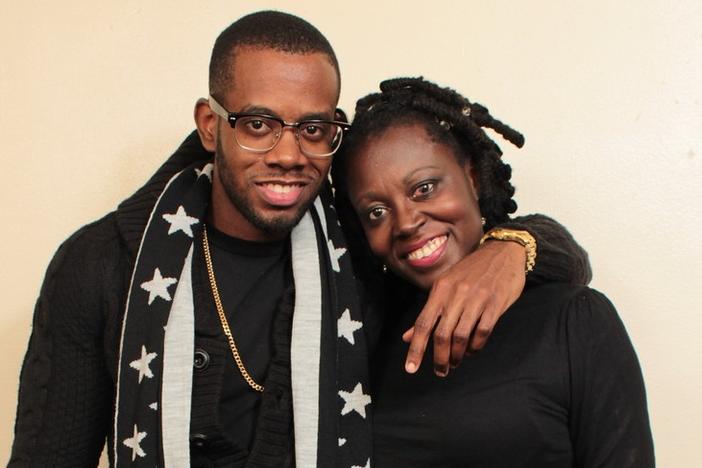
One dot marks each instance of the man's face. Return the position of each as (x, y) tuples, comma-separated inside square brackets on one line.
[(262, 196)]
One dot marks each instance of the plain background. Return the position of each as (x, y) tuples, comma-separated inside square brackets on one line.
[(96, 94)]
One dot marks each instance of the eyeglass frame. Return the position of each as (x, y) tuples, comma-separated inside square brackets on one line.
[(232, 117)]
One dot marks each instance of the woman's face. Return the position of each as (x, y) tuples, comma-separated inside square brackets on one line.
[(418, 206)]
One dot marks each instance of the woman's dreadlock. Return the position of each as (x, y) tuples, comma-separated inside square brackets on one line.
[(450, 119)]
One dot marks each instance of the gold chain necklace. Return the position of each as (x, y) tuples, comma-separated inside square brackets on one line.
[(222, 317)]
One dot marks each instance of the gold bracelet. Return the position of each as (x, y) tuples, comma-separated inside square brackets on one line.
[(523, 238)]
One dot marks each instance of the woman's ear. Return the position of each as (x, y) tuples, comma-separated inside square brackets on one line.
[(472, 179), (206, 122)]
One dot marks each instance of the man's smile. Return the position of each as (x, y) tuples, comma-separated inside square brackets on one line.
[(281, 194)]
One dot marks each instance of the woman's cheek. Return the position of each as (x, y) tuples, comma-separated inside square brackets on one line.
[(378, 242)]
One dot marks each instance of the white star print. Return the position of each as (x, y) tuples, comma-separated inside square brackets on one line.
[(142, 364), (207, 171), (180, 221), (367, 465), (345, 326), (158, 286), (154, 406), (355, 401), (342, 441), (334, 255), (133, 443)]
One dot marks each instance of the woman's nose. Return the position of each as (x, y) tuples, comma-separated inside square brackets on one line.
[(407, 220)]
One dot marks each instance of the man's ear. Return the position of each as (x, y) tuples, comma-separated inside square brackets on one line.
[(206, 122), (340, 115)]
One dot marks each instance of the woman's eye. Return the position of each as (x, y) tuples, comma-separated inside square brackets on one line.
[(423, 189), (376, 213)]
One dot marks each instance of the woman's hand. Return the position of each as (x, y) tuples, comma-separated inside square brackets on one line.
[(466, 301)]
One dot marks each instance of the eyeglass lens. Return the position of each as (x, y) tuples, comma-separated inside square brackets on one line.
[(260, 133)]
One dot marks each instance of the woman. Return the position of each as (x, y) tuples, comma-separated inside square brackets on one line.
[(558, 384)]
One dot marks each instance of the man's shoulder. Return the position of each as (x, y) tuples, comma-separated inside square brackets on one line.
[(86, 254), (84, 280), (90, 240)]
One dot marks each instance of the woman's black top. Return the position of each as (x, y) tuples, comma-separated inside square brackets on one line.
[(557, 385)]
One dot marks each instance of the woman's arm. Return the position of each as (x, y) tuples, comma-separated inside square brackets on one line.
[(609, 422)]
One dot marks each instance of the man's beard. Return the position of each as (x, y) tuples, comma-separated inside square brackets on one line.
[(280, 225)]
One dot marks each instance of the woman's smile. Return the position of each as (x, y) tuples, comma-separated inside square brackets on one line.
[(429, 253)]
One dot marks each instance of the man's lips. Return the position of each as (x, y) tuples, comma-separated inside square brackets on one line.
[(281, 194), (428, 252)]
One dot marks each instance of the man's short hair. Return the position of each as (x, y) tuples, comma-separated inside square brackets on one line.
[(264, 29)]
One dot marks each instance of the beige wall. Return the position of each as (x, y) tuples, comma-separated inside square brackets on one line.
[(93, 96)]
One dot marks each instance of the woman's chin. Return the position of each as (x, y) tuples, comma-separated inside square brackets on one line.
[(421, 279)]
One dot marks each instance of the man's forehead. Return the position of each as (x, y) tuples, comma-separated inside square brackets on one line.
[(289, 85), (280, 53)]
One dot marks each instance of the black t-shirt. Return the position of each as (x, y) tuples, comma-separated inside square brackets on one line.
[(557, 385), (251, 278)]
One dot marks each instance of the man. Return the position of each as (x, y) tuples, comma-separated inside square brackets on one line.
[(190, 325)]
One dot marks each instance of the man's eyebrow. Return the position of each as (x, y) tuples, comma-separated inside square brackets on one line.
[(267, 111), (257, 110), (317, 116)]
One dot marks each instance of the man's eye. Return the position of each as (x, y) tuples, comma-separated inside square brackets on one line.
[(424, 189), (256, 126), (314, 131), (376, 213), (311, 129)]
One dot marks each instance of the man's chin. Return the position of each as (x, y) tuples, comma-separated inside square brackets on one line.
[(280, 224)]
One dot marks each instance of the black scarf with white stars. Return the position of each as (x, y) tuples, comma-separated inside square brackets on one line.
[(154, 386)]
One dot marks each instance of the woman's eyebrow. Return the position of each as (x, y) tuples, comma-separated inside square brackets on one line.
[(408, 178)]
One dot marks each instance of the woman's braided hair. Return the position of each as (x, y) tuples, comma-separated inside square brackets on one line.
[(449, 119)]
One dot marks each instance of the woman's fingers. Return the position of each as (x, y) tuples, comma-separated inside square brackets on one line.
[(422, 329), (444, 334), (483, 329), (462, 334)]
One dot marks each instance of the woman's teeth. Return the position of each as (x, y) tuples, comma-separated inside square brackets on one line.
[(428, 248)]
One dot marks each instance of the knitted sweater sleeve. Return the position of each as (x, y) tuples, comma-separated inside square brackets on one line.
[(66, 388), (559, 257)]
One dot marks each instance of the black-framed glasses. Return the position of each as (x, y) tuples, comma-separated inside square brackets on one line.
[(260, 133)]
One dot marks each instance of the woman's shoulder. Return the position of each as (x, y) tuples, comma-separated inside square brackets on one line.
[(563, 295), (582, 310)]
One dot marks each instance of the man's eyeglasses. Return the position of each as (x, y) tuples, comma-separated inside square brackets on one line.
[(260, 132)]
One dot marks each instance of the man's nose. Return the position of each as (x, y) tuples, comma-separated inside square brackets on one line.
[(286, 153)]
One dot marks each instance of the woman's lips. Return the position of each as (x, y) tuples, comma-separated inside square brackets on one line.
[(429, 253), (281, 195)]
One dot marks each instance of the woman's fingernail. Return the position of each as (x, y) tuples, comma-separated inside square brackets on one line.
[(411, 367)]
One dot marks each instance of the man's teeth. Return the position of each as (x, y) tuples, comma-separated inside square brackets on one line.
[(278, 188), (428, 248)]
